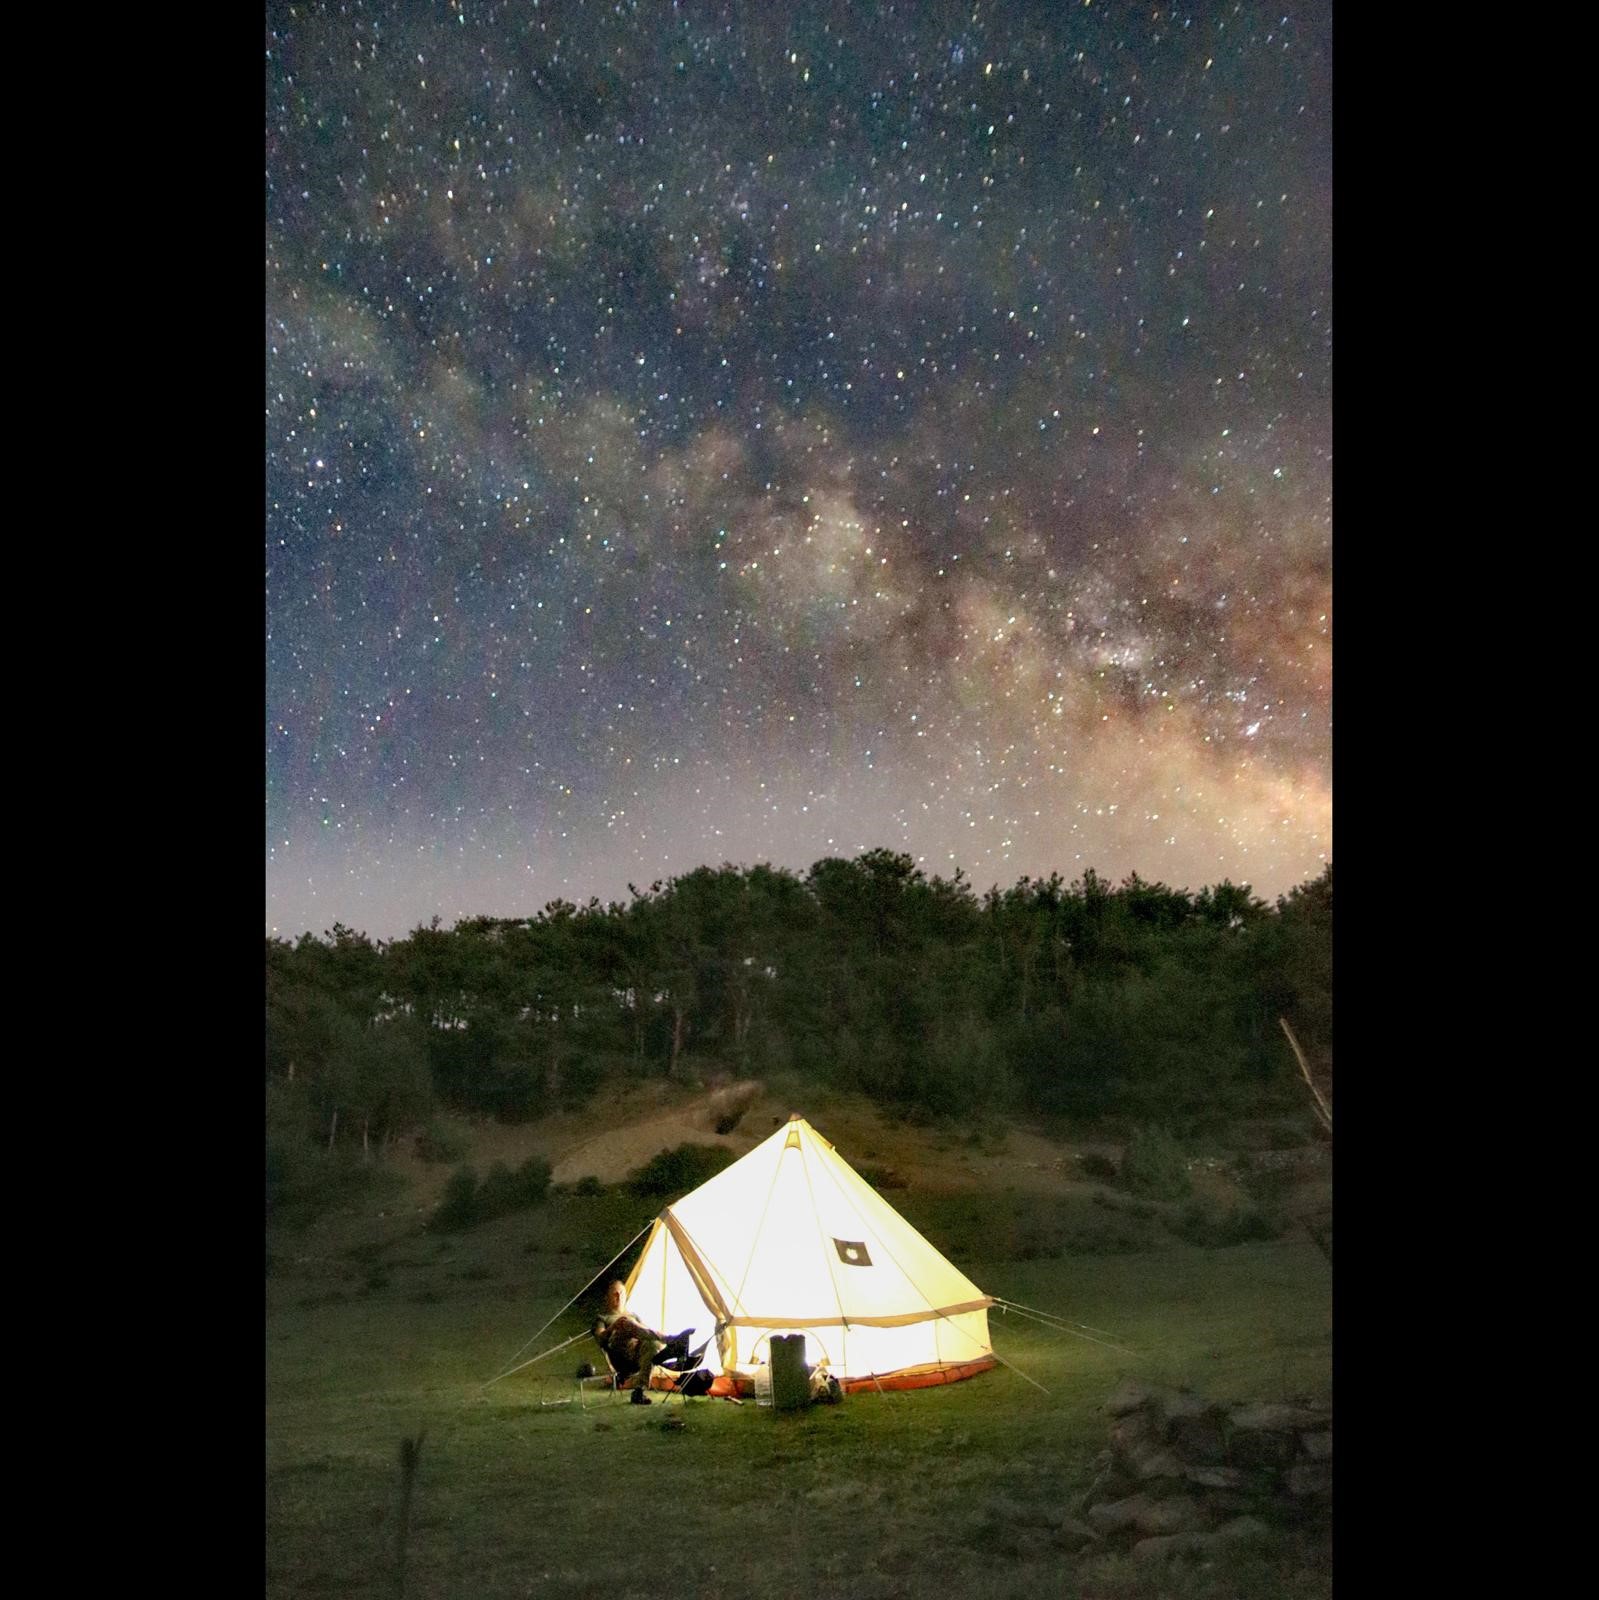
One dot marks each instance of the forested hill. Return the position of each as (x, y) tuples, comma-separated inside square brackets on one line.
[(1086, 1000)]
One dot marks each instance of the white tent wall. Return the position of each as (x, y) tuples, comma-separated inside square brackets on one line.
[(661, 1293), (791, 1239)]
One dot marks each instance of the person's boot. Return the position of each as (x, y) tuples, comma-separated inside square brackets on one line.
[(639, 1398)]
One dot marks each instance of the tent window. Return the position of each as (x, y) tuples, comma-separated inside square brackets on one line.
[(852, 1252)]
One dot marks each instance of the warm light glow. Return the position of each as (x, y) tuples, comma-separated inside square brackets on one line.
[(771, 1239)]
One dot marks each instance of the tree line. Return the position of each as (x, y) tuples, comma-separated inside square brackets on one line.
[(1082, 1000)]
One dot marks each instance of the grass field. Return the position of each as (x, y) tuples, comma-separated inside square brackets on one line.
[(941, 1492)]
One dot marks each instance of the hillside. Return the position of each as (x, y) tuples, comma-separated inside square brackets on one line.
[(380, 1326), (919, 1167)]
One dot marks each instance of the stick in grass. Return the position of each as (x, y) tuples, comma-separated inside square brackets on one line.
[(410, 1454)]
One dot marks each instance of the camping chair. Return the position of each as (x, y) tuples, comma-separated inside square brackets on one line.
[(678, 1365)]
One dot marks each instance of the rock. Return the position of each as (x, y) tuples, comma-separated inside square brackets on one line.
[(1169, 1545), (1113, 1483), (1129, 1395), (1161, 1400), (1118, 1516), (1132, 1433), (1234, 1502), (1174, 1406), (1272, 1416), (1200, 1439), (1208, 1477), (1178, 1463), (1140, 1513), (1155, 1461), (1245, 1529), (1262, 1449), (1240, 1530), (1073, 1534), (1178, 1514), (1308, 1478), (1165, 1546)]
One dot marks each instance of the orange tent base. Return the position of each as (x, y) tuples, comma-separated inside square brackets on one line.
[(926, 1378), (721, 1385)]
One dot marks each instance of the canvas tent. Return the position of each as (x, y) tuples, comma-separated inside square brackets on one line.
[(790, 1238)]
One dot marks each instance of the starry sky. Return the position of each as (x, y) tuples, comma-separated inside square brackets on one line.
[(704, 433)]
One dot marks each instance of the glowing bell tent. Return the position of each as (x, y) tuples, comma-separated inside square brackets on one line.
[(789, 1238)]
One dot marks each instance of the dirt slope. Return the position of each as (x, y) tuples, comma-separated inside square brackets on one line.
[(617, 1134)]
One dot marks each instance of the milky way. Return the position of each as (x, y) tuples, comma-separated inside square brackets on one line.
[(703, 433)]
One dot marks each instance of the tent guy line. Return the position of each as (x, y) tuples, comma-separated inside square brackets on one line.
[(554, 1350), (556, 1318), (1061, 1325)]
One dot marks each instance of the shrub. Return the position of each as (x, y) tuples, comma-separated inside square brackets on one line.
[(587, 1187), (675, 1172), (443, 1142), (1093, 1165), (1153, 1166), (533, 1180), (505, 1191), (467, 1203), (1109, 1236), (459, 1207), (1215, 1230), (1267, 1185), (990, 1139), (494, 1195)]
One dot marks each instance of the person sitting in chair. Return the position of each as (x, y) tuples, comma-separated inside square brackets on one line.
[(632, 1349)]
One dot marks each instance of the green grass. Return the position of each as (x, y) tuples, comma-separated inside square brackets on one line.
[(945, 1491)]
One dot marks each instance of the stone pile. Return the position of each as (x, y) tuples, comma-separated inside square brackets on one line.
[(1184, 1475)]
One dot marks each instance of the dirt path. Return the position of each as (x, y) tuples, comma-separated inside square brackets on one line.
[(582, 1145), (611, 1155)]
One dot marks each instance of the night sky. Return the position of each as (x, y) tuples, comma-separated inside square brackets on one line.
[(703, 433)]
